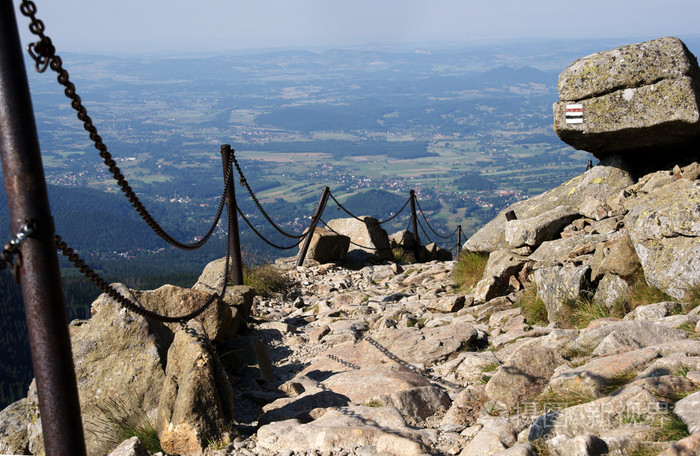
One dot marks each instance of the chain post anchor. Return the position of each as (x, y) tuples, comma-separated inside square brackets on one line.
[(314, 221), (235, 240), (414, 223)]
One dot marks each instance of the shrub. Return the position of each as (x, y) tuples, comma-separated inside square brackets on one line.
[(469, 268), (266, 279), (534, 310), (402, 256), (122, 421)]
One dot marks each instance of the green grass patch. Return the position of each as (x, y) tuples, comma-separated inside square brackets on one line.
[(534, 309), (641, 294), (668, 427), (549, 400), (581, 312), (266, 279), (373, 403), (469, 269), (121, 421), (616, 381), (402, 256)]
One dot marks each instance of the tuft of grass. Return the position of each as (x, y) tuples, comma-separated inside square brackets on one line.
[(687, 327), (618, 380), (373, 403), (641, 294), (541, 447), (402, 256), (266, 279), (469, 268), (549, 400), (534, 309), (490, 367), (122, 421), (581, 312), (668, 427), (692, 297)]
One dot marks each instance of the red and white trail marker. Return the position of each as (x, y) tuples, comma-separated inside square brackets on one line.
[(574, 113)]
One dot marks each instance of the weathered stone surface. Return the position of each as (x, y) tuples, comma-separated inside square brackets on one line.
[(327, 246), (554, 252), (581, 445), (118, 358), (246, 357), (367, 233), (429, 345), (417, 404), (684, 447), (175, 301), (665, 229), (611, 412), (131, 447), (597, 377), (655, 311), (212, 280), (629, 104), (196, 401), (626, 66), (465, 408), (543, 227), (616, 256), (599, 183), (403, 239), (501, 265), (525, 375), (688, 410), (557, 285), (349, 428), (484, 442), (446, 304), (13, 428), (643, 332), (659, 115), (611, 289)]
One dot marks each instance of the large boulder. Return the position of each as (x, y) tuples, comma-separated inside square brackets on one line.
[(636, 97), (664, 227), (175, 301), (366, 235), (196, 401), (119, 357), (326, 246), (599, 183), (557, 286)]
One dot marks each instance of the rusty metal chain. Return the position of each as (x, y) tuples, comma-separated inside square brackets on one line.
[(314, 222), (44, 54), (244, 182), (136, 307), (340, 206), (380, 249), (420, 209), (11, 249), (267, 241)]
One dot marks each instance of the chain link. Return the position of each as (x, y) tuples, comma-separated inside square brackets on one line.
[(44, 54), (11, 249), (420, 209), (244, 182)]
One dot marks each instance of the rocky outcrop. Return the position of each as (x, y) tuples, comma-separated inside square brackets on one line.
[(367, 238), (617, 102), (325, 246), (196, 401)]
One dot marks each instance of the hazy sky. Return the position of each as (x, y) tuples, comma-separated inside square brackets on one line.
[(220, 25)]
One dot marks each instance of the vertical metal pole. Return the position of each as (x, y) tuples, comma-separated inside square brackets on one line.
[(40, 277), (232, 210), (312, 227), (414, 219), (459, 238)]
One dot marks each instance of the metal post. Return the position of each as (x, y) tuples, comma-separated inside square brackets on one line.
[(414, 220), (312, 227), (459, 238), (232, 210), (40, 276)]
